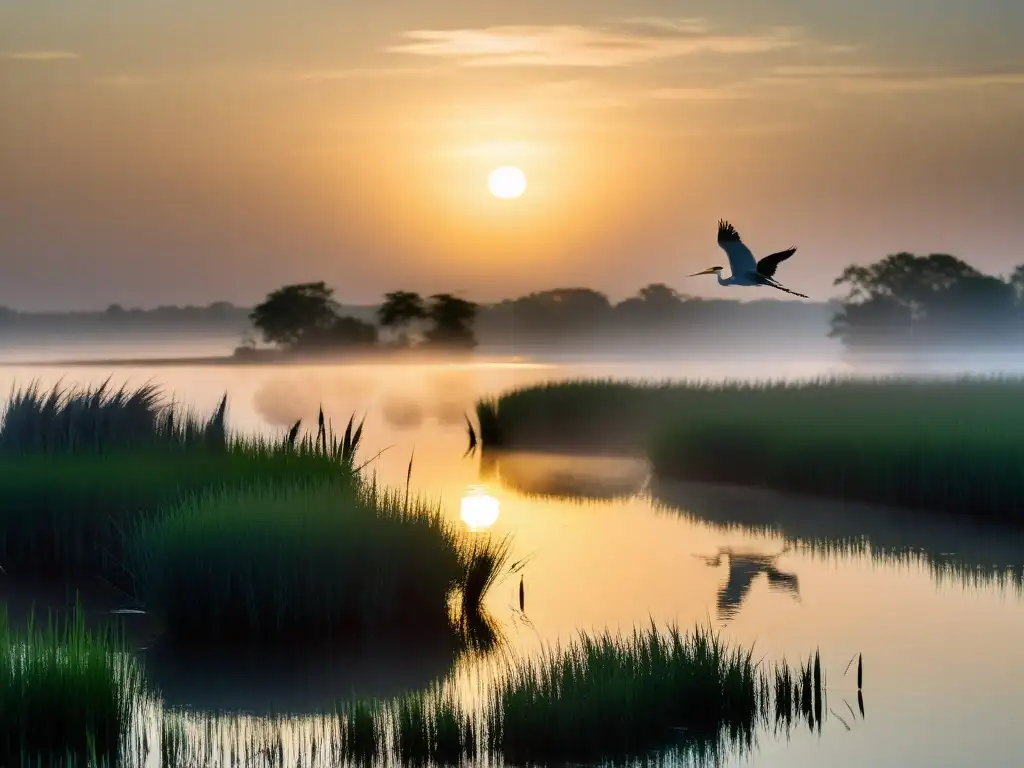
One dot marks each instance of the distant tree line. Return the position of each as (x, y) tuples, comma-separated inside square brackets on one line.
[(903, 301), (305, 318), (544, 319), (220, 315)]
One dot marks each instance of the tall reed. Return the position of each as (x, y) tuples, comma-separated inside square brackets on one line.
[(103, 419)]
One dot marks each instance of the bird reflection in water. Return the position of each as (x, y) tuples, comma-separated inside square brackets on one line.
[(744, 567), (479, 510)]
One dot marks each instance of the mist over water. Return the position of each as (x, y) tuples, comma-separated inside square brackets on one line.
[(935, 606)]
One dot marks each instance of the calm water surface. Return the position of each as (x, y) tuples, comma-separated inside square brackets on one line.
[(936, 607)]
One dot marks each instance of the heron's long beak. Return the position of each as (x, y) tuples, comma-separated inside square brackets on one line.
[(705, 272)]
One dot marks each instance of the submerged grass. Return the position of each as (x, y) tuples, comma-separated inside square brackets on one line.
[(656, 696), (943, 445), (65, 690), (433, 726), (312, 562)]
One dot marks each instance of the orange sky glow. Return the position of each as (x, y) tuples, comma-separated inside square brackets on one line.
[(204, 150)]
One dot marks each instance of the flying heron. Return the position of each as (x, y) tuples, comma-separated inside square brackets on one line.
[(745, 270)]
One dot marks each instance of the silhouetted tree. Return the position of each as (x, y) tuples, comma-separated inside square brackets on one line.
[(291, 312), (905, 299), (877, 321), (979, 307), (400, 310), (452, 320), (1017, 281), (909, 279), (654, 304), (340, 333)]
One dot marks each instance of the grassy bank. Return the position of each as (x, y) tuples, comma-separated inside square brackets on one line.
[(79, 467), (592, 416), (66, 513), (951, 446), (65, 691), (316, 561)]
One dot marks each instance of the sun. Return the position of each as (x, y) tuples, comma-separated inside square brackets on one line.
[(506, 182)]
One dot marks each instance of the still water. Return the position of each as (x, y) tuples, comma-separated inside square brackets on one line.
[(936, 607)]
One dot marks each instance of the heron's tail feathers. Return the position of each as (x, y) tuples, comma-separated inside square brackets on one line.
[(786, 290)]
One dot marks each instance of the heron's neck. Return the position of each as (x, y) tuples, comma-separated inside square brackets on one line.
[(721, 281)]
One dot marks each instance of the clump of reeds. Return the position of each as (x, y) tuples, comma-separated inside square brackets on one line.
[(483, 562), (325, 443), (799, 693), (66, 513), (943, 445), (79, 467), (316, 561), (103, 419), (65, 691), (490, 424), (607, 696)]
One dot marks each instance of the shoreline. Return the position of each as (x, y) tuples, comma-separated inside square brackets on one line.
[(905, 444), (275, 360)]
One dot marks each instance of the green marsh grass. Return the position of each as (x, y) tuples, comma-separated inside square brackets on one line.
[(661, 697), (67, 513), (490, 425), (609, 696), (943, 445), (99, 419), (77, 467), (312, 562), (65, 690)]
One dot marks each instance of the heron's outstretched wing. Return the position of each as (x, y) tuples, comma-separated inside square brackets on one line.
[(741, 260), (770, 263)]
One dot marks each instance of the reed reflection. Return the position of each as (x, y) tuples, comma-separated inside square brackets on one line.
[(566, 477), (965, 552)]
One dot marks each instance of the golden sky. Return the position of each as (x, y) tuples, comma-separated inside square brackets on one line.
[(199, 150)]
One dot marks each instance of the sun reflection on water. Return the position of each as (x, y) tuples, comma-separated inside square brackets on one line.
[(479, 510)]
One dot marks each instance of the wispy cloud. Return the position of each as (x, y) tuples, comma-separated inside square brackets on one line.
[(832, 79), (874, 79), (629, 41), (39, 55)]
